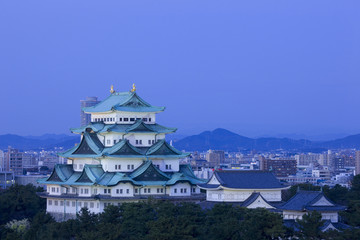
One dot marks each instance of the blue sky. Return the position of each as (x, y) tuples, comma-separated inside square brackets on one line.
[(253, 67)]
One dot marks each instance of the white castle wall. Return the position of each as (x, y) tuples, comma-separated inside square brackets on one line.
[(241, 195)]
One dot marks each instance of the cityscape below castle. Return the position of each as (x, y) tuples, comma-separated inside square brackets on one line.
[(123, 156)]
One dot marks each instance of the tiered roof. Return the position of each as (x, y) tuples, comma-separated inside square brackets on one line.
[(311, 201), (91, 147), (235, 179), (138, 127), (124, 102), (145, 175)]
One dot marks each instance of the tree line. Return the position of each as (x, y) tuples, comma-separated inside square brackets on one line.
[(22, 216)]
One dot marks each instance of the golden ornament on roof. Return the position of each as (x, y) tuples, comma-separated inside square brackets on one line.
[(112, 89), (133, 88)]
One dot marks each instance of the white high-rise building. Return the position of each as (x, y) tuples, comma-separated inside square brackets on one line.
[(2, 161), (122, 157)]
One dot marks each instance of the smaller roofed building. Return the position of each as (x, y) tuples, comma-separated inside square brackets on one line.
[(306, 201), (244, 187)]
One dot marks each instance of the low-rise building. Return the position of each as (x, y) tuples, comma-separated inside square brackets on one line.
[(239, 186), (308, 201)]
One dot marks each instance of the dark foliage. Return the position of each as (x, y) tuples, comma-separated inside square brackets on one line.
[(165, 220), (19, 202)]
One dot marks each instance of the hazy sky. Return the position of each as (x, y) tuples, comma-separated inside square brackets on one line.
[(253, 67)]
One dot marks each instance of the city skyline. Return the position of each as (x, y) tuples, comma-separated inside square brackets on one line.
[(255, 70)]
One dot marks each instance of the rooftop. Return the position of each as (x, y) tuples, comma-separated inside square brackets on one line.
[(123, 101), (245, 180)]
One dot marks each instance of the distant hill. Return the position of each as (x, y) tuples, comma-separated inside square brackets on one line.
[(47, 141), (229, 141), (221, 139)]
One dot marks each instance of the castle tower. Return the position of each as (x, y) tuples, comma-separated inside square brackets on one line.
[(122, 157)]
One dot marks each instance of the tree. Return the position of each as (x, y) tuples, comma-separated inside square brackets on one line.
[(261, 224), (19, 202), (310, 225)]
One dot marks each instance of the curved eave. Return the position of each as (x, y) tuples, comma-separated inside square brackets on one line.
[(180, 181), (151, 183), (205, 188), (140, 157), (325, 208), (257, 189), (150, 132), (75, 156), (80, 184), (157, 157), (139, 109), (122, 181), (100, 112)]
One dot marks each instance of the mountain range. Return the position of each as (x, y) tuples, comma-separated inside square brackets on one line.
[(223, 139), (218, 139), (47, 141)]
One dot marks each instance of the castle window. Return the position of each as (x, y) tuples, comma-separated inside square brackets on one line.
[(73, 203), (56, 203), (86, 191), (185, 190), (120, 119), (149, 142), (153, 141), (115, 167), (161, 190), (49, 202), (114, 141), (158, 190), (145, 119), (132, 166), (136, 141), (140, 141), (144, 190), (85, 204), (132, 119), (61, 203), (149, 119), (136, 190), (127, 191), (126, 119), (92, 205), (175, 190)]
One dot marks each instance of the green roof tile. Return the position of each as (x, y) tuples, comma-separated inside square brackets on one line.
[(123, 101)]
